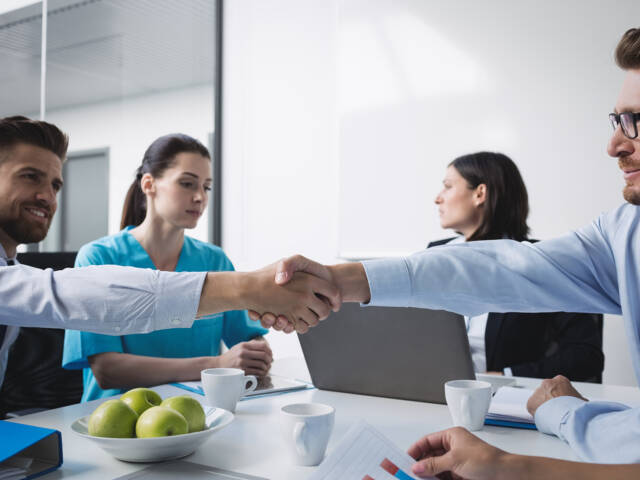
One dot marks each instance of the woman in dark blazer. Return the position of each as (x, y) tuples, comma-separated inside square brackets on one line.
[(484, 198)]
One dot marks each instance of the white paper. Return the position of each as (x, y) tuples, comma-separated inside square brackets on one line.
[(360, 453), (510, 404)]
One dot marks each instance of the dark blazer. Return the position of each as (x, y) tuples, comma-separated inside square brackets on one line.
[(543, 345)]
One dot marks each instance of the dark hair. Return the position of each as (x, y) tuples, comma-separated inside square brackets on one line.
[(628, 50), (18, 129), (159, 156), (506, 207)]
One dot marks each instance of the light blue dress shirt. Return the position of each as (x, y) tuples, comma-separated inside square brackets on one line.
[(202, 339), (594, 269)]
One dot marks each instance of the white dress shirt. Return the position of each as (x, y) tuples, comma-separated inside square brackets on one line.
[(11, 332), (106, 299)]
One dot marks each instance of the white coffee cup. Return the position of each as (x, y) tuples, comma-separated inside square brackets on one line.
[(468, 402), (223, 387), (306, 428)]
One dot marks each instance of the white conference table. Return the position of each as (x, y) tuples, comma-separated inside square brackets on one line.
[(252, 444)]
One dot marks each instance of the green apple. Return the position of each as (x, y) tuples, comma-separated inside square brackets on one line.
[(190, 409), (114, 419), (161, 422), (140, 399)]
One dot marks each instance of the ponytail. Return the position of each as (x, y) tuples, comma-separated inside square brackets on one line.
[(159, 156), (135, 204)]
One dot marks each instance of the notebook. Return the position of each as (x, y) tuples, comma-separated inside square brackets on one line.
[(509, 408)]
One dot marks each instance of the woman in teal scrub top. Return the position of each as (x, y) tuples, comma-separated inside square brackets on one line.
[(168, 195)]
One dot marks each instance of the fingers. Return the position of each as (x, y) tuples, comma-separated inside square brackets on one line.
[(432, 466), (427, 445), (253, 315)]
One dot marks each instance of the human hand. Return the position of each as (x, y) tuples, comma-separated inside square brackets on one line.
[(557, 386), (254, 357), (458, 452), (349, 278), (301, 303), (285, 270), (495, 373)]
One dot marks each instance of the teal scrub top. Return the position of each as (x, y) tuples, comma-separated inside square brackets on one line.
[(202, 339)]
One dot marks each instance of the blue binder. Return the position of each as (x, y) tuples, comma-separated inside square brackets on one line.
[(36, 450)]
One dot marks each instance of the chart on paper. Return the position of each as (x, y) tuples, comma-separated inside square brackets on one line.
[(365, 454)]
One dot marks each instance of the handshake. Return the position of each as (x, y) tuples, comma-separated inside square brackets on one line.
[(296, 293)]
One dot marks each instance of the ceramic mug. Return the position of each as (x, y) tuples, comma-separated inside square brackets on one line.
[(306, 428), (223, 387), (468, 402)]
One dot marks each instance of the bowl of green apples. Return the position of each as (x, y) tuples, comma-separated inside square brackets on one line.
[(142, 427)]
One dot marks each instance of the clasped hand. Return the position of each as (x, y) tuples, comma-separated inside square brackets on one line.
[(293, 294)]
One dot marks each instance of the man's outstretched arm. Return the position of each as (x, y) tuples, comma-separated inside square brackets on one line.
[(121, 300)]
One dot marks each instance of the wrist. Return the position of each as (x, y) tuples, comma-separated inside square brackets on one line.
[(223, 291), (351, 280), (511, 466)]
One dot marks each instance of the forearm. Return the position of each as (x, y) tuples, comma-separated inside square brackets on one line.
[(351, 279), (522, 467), (221, 292), (125, 370)]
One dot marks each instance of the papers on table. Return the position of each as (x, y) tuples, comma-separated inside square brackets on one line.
[(509, 408), (365, 454)]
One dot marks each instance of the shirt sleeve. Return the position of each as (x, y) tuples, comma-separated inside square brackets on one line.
[(104, 299), (574, 273), (604, 432)]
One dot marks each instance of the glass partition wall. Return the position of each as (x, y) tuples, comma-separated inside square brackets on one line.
[(117, 74)]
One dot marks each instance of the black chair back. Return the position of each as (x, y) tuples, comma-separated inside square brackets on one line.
[(35, 379)]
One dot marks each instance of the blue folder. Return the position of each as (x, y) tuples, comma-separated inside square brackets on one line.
[(37, 450)]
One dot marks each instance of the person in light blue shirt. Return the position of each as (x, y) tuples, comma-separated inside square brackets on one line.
[(594, 269), (168, 195)]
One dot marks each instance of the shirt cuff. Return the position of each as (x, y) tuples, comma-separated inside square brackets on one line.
[(389, 282), (507, 372), (174, 309), (552, 414)]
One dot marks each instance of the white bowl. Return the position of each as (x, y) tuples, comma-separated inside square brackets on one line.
[(158, 448)]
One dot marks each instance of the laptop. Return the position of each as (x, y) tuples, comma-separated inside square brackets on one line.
[(394, 352)]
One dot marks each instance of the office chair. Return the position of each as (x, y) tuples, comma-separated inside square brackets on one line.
[(35, 379)]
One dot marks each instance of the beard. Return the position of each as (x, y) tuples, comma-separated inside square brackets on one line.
[(631, 195), (23, 231)]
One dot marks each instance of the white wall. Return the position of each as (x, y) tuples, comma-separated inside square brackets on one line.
[(279, 135), (285, 122), (128, 126)]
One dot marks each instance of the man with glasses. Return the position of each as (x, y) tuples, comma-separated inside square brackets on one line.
[(594, 269)]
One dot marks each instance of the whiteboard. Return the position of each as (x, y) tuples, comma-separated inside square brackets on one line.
[(421, 82)]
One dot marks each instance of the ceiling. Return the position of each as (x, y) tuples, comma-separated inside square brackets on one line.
[(103, 50)]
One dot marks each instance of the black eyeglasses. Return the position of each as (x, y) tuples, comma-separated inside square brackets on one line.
[(627, 121)]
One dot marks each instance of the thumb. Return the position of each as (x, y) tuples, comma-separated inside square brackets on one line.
[(432, 466), (297, 263)]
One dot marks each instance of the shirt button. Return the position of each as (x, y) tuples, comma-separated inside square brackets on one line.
[(117, 329), (176, 321)]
